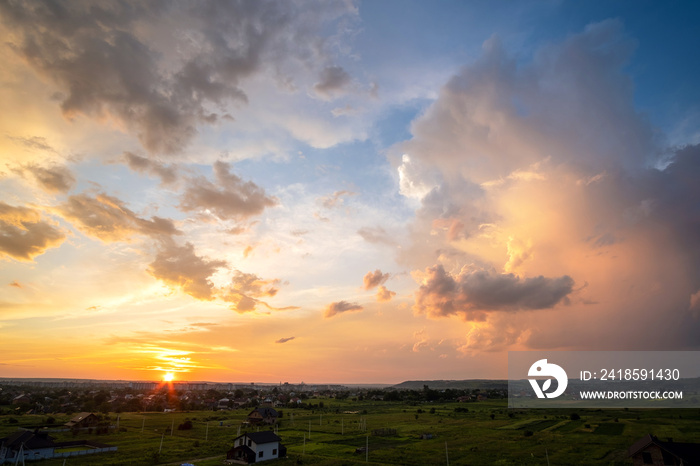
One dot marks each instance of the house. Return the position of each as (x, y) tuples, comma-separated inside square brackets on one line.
[(33, 445), (649, 450), (263, 416), (25, 445), (240, 402), (223, 404), (21, 399), (256, 447), (82, 421)]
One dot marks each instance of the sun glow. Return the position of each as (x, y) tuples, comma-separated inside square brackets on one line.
[(169, 377)]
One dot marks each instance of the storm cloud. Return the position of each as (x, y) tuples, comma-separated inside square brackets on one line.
[(473, 292), (533, 174)]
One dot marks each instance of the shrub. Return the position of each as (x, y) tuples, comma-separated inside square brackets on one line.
[(187, 425)]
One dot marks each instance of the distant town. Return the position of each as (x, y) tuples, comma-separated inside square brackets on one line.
[(45, 396)]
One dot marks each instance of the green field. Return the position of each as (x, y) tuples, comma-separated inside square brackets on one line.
[(72, 449), (488, 433)]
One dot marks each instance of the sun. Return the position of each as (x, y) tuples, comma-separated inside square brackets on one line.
[(168, 377)]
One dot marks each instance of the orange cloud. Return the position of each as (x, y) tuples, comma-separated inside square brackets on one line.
[(384, 295), (374, 279), (24, 235), (245, 290), (180, 266), (108, 219)]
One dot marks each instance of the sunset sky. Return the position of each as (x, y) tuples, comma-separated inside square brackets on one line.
[(344, 192)]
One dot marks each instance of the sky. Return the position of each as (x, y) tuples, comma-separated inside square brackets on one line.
[(344, 191)]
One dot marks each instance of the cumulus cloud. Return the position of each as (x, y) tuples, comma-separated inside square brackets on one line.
[(334, 82), (166, 172), (53, 179), (228, 198), (107, 218), (472, 293), (181, 267), (23, 233), (384, 295), (246, 288), (414, 180), (162, 69), (545, 170), (340, 307), (285, 340), (374, 279)]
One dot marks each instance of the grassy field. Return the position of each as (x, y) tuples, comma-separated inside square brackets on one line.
[(488, 433)]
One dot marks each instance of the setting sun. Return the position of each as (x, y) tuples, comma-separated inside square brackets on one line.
[(169, 377)]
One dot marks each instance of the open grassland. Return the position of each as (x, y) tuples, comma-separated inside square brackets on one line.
[(485, 433)]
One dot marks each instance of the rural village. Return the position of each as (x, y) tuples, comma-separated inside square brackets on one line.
[(92, 422)]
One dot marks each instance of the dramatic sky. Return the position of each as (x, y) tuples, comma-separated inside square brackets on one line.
[(340, 191)]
